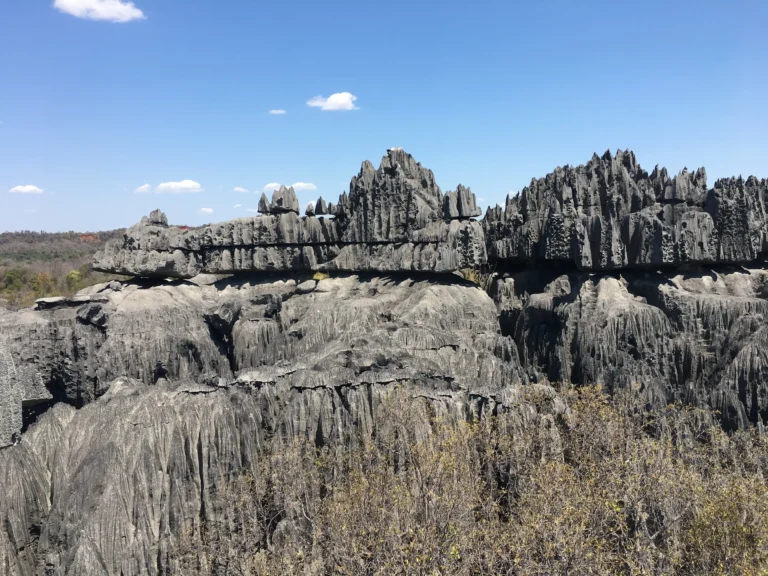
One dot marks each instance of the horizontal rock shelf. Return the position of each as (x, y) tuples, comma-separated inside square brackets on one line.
[(393, 219)]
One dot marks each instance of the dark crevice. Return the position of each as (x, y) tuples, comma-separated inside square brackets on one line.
[(202, 475)]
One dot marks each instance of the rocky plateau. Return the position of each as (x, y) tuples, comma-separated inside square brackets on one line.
[(122, 409)]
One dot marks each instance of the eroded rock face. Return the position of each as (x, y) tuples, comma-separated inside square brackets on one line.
[(140, 466), (160, 388), (699, 338), (394, 219), (611, 214), (20, 386), (339, 331), (211, 367)]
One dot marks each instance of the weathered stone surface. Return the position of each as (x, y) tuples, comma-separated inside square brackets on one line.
[(205, 332), (284, 200), (697, 338), (208, 370), (140, 466), (460, 204), (10, 399), (20, 386), (160, 388), (611, 214), (393, 219)]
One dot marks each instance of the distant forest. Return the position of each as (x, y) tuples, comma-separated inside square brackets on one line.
[(42, 264)]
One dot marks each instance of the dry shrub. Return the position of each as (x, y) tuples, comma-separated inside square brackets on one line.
[(620, 492)]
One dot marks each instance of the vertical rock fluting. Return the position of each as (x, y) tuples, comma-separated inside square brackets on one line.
[(610, 214), (164, 388), (394, 219), (135, 467)]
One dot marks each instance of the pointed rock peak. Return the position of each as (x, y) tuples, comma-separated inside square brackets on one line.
[(398, 159), (284, 200), (321, 208), (157, 218), (460, 205), (264, 205)]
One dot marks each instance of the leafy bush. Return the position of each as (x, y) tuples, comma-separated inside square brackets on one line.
[(603, 489)]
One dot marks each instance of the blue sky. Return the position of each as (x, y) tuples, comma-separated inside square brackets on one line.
[(488, 94)]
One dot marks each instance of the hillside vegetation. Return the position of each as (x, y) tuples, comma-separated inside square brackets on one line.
[(41, 264), (601, 488)]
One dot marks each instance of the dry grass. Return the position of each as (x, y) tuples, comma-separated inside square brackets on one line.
[(603, 489)]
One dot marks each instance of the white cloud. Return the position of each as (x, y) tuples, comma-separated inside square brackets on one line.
[(237, 206), (143, 189), (338, 101), (109, 10), (28, 189), (240, 189), (206, 210), (304, 186), (278, 112), (272, 186), (481, 200), (252, 210), (179, 187)]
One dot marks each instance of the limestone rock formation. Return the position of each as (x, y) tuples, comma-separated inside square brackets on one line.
[(20, 387), (394, 219), (122, 409), (610, 214), (180, 381), (414, 329), (699, 338)]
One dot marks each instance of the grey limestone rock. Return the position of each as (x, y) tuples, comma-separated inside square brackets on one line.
[(460, 204), (21, 386), (195, 332), (392, 220), (160, 388), (284, 200), (610, 214), (181, 382), (699, 338), (265, 207)]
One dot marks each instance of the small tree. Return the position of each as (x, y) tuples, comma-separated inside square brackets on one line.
[(73, 280)]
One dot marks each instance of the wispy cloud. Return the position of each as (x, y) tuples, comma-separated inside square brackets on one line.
[(480, 200), (184, 186), (272, 186), (237, 206), (27, 189), (143, 189), (277, 112), (335, 102), (304, 186), (252, 210), (240, 189), (109, 10), (206, 210)]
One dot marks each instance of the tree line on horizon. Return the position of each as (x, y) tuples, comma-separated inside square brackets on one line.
[(43, 264)]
